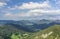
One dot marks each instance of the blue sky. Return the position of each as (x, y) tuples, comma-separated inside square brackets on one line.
[(29, 9)]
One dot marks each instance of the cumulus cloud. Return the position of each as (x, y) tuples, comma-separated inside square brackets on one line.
[(2, 4), (36, 10), (9, 14), (45, 11), (34, 5), (4, 0), (58, 2)]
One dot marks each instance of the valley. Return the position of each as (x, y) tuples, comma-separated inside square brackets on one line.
[(30, 29)]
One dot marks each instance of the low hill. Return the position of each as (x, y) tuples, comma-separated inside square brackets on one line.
[(52, 32), (23, 29), (7, 30)]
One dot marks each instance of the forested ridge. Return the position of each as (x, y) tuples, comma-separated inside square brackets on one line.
[(43, 29)]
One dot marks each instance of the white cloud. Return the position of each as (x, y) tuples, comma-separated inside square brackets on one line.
[(2, 4), (37, 14), (9, 8), (42, 10), (34, 5), (7, 14), (45, 11), (58, 2), (4, 0), (16, 15), (36, 9)]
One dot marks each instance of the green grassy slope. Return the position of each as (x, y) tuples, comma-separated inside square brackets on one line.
[(11, 32), (52, 32), (6, 31)]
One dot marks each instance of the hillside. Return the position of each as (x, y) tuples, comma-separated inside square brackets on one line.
[(52, 32), (29, 29), (6, 31), (30, 25)]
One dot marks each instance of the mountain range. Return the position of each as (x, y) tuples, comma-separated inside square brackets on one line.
[(29, 29)]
